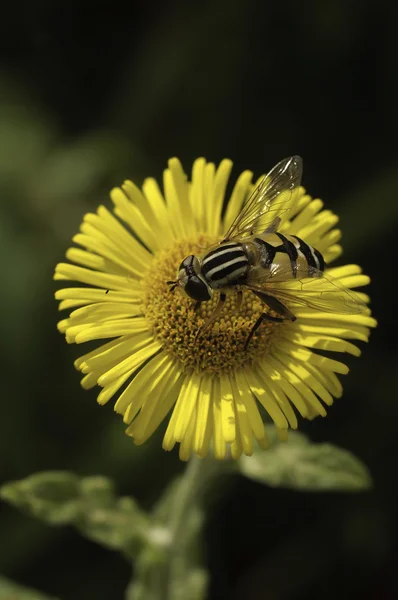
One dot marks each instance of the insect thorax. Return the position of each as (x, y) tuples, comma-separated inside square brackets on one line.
[(226, 265)]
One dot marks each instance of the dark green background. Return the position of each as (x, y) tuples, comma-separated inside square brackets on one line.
[(92, 93)]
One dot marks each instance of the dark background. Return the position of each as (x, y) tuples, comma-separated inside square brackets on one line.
[(92, 93)]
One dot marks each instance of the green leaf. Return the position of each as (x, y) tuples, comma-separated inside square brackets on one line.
[(51, 496), (9, 590), (88, 503), (302, 465)]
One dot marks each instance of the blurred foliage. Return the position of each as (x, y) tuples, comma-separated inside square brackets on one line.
[(300, 465), (62, 498), (167, 542), (12, 591), (92, 95)]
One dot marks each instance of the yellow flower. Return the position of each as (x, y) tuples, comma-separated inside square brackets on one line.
[(217, 391)]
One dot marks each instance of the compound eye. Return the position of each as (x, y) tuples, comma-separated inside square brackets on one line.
[(196, 289), (190, 263), (185, 263)]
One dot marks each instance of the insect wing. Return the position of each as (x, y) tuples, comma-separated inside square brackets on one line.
[(269, 200), (320, 290)]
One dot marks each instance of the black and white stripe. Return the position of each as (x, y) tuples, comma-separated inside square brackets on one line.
[(267, 252), (290, 249), (313, 257), (225, 265)]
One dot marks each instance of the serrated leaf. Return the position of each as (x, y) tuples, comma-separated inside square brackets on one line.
[(88, 503), (9, 590), (302, 465), (51, 496)]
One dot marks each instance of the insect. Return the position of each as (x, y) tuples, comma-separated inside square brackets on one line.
[(255, 256)]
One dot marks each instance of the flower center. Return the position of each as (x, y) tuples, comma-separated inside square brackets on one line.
[(222, 345)]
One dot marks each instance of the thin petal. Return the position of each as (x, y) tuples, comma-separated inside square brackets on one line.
[(160, 386), (260, 389), (243, 427), (293, 389), (161, 408), (94, 261), (180, 195), (138, 386), (227, 409), (329, 239), (65, 271), (305, 383), (274, 384), (304, 217), (187, 441), (174, 206), (101, 350), (216, 202), (332, 253), (111, 240), (103, 311), (321, 342), (202, 415), (131, 362), (329, 380), (103, 360), (239, 194), (169, 439), (313, 232), (132, 216), (73, 297), (236, 446), (220, 447), (251, 408), (304, 355), (351, 332), (326, 319), (110, 390), (189, 396), (109, 329), (196, 194), (157, 202)]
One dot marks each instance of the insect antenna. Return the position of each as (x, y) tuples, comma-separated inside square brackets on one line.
[(172, 284)]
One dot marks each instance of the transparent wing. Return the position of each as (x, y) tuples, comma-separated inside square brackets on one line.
[(269, 200), (320, 291)]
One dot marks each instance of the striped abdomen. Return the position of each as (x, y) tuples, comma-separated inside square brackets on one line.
[(225, 265), (291, 251)]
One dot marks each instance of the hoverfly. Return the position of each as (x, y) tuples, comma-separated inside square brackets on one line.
[(255, 256)]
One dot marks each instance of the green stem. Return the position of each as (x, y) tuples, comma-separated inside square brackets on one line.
[(190, 484), (187, 498), (160, 566)]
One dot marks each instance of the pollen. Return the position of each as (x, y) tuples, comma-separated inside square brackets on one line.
[(179, 324)]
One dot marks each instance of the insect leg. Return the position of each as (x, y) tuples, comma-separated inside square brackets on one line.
[(262, 317), (239, 298), (275, 305), (216, 312), (214, 316)]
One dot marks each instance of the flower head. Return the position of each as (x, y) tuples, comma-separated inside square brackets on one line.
[(160, 359)]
